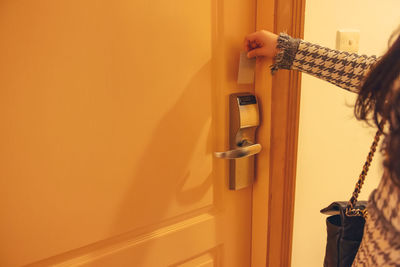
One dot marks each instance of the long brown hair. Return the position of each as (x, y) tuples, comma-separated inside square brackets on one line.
[(379, 99)]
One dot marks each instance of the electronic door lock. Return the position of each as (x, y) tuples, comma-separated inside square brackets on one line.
[(244, 119)]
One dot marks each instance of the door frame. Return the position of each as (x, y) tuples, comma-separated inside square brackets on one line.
[(279, 97)]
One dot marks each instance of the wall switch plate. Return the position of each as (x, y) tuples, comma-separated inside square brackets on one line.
[(348, 40)]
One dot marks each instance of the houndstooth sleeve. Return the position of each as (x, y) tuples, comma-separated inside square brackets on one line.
[(343, 69)]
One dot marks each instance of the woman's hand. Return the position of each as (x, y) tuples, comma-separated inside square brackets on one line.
[(261, 43)]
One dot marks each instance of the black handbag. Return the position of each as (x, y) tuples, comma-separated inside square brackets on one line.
[(345, 225)]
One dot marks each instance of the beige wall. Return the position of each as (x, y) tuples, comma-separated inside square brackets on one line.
[(332, 144)]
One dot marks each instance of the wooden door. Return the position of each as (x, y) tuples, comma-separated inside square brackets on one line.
[(109, 114)]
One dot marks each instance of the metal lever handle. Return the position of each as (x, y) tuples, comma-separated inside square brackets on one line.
[(241, 152)]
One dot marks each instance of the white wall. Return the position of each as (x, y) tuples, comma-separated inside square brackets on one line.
[(333, 145)]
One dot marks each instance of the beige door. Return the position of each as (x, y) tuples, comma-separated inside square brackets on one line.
[(109, 114)]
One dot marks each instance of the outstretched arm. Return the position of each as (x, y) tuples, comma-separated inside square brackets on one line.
[(346, 70)]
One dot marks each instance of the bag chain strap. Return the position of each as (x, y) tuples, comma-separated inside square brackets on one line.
[(350, 209)]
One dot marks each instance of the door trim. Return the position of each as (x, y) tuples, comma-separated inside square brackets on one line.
[(279, 96)]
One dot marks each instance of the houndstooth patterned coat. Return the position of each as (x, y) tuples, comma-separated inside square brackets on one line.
[(381, 241)]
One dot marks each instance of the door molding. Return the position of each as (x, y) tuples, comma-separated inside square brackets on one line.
[(274, 191)]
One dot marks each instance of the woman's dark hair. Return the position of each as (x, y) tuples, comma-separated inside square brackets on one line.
[(379, 100)]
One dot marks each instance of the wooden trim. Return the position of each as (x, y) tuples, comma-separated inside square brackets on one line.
[(285, 124), (274, 192), (263, 90)]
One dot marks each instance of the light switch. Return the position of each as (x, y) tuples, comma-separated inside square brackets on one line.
[(348, 40)]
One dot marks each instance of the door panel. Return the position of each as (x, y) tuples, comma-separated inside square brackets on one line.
[(110, 112)]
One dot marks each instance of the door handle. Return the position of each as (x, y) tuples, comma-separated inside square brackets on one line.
[(243, 122), (245, 149)]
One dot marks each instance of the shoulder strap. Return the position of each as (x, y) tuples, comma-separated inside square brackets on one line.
[(351, 209)]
